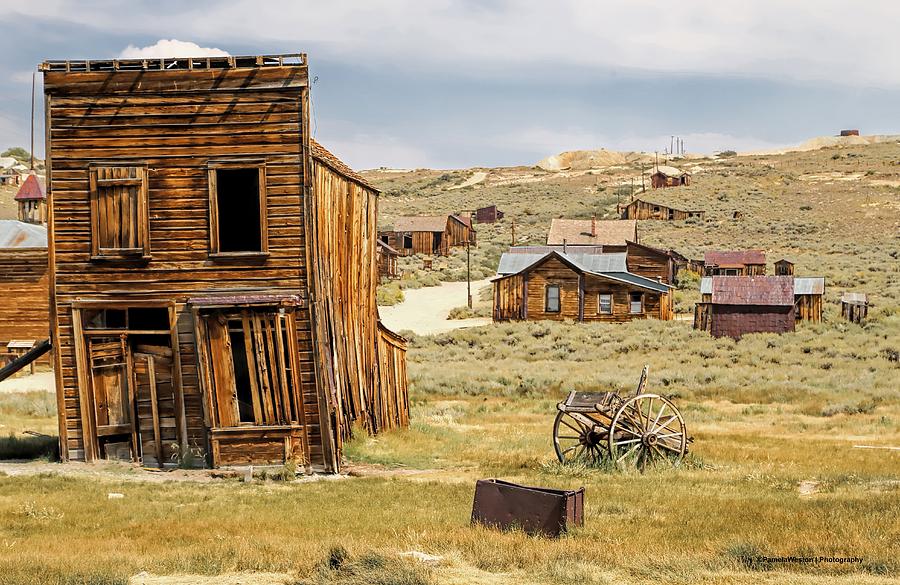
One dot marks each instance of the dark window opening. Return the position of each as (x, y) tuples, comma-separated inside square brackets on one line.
[(437, 242), (407, 241), (241, 372), (149, 319), (385, 239), (238, 206), (104, 319)]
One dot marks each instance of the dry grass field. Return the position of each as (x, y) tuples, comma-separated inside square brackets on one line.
[(775, 469)]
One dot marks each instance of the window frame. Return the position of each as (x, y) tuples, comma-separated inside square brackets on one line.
[(547, 308), (142, 224), (631, 302), (600, 296), (212, 168)]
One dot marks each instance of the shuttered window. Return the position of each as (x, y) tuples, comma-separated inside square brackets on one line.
[(551, 303), (119, 215)]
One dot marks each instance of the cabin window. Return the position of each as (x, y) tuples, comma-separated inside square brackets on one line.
[(119, 216), (636, 305), (253, 372), (237, 209), (605, 304), (551, 301), (407, 241)]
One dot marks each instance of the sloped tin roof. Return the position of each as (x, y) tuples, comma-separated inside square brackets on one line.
[(809, 285), (610, 232), (734, 257), (17, 234), (421, 223), (753, 290)]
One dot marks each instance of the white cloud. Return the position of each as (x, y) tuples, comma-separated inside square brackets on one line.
[(170, 48)]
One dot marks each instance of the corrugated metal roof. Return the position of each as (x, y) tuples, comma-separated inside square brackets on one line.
[(809, 285), (30, 189), (854, 298), (734, 257), (753, 290), (610, 232), (706, 285), (423, 223), (17, 234)]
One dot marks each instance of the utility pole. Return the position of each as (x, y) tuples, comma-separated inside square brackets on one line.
[(33, 73), (632, 188), (513, 232), (642, 178), (468, 274)]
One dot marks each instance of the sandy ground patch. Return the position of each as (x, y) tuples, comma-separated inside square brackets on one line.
[(227, 579), (477, 177), (424, 311), (37, 382)]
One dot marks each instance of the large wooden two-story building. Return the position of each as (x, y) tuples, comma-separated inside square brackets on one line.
[(212, 269)]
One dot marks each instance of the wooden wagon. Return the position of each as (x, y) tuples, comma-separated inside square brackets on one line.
[(640, 430)]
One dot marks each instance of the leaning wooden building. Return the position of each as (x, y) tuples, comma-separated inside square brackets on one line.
[(212, 269)]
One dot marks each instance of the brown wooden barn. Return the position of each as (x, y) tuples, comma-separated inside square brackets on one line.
[(809, 292), (387, 260), (536, 284), (651, 262), (24, 284), (784, 267), (735, 263), (212, 269), (854, 306), (640, 209), (489, 214), (431, 235), (666, 176), (733, 306), (32, 201), (612, 234)]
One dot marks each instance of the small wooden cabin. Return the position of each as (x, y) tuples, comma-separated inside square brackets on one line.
[(387, 260), (854, 306), (553, 285), (808, 294), (32, 201), (612, 234), (489, 214), (24, 286), (784, 267), (853, 132), (431, 235), (212, 269), (735, 263), (733, 306), (651, 262), (666, 176), (641, 210)]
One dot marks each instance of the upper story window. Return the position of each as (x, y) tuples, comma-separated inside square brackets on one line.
[(237, 209), (119, 213), (551, 301)]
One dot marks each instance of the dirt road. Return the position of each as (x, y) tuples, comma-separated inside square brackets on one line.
[(424, 311)]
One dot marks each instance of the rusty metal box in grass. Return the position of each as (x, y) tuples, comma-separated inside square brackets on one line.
[(535, 510)]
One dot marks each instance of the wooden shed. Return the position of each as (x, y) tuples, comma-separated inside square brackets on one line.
[(431, 235), (853, 132), (550, 284), (212, 269), (24, 286), (808, 294), (489, 214), (387, 260), (734, 306), (854, 306), (784, 267), (735, 263), (651, 262), (666, 176), (32, 201), (612, 234), (641, 209)]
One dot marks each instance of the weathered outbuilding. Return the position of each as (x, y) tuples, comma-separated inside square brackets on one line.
[(24, 285), (536, 284), (666, 176), (612, 234), (431, 235), (854, 306), (641, 209), (809, 291), (735, 263), (651, 262), (387, 260), (32, 201), (734, 306), (784, 267), (212, 269), (489, 214)]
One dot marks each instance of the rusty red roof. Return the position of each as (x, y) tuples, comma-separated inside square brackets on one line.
[(30, 189), (609, 232), (753, 290), (734, 257)]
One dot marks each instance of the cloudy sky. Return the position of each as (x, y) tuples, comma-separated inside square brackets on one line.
[(459, 83)]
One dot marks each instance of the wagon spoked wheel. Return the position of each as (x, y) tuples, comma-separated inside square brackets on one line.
[(647, 430), (575, 441)]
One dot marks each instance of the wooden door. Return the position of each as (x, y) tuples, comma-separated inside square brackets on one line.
[(111, 397), (154, 393)]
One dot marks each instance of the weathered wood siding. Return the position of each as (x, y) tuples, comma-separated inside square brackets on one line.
[(655, 304), (344, 277), (649, 263), (509, 298), (176, 123), (808, 307), (422, 243), (553, 272), (736, 321), (458, 233), (25, 292), (643, 210)]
